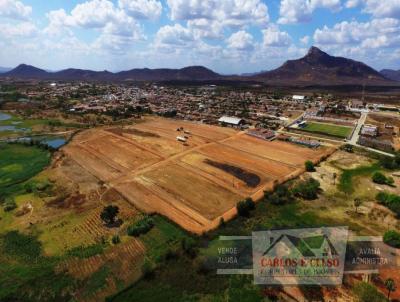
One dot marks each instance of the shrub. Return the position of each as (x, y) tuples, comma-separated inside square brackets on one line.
[(366, 292), (141, 227), (148, 269), (9, 204), (244, 207), (309, 166), (307, 189), (392, 238), (392, 201), (189, 246), (282, 195), (379, 178), (115, 239)]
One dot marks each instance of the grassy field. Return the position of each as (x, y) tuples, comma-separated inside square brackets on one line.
[(18, 164), (346, 182), (328, 129)]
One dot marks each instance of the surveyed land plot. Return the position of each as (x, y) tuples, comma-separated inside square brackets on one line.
[(194, 183)]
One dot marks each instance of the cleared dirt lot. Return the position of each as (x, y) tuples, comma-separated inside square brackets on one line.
[(193, 184)]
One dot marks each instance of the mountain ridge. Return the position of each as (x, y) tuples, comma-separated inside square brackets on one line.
[(318, 67), (391, 74), (315, 68)]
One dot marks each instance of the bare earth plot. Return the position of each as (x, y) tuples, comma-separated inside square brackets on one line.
[(193, 184)]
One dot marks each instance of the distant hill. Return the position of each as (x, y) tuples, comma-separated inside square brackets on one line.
[(80, 74), (319, 68), (391, 74), (4, 69), (192, 73), (24, 71)]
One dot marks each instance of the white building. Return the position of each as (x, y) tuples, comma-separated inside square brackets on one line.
[(298, 97), (231, 121)]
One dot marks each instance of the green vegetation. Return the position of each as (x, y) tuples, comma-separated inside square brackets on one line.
[(97, 281), (244, 207), (309, 165), (281, 195), (115, 239), (164, 238), (27, 275), (141, 227), (366, 292), (392, 201), (9, 204), (109, 214), (346, 179), (18, 164), (381, 179), (87, 251), (328, 129), (307, 189), (390, 286), (392, 238)]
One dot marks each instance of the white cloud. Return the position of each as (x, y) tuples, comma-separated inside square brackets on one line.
[(21, 30), (353, 3), (205, 28), (14, 9), (241, 41), (374, 34), (174, 36), (234, 13), (305, 40), (273, 37), (92, 14), (118, 31), (142, 9), (300, 11), (383, 8)]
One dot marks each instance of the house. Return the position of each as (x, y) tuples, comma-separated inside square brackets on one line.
[(265, 134), (231, 121), (369, 130), (298, 98)]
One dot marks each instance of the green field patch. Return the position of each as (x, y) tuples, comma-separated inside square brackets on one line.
[(328, 129), (19, 163), (163, 236), (26, 274), (346, 181), (13, 168)]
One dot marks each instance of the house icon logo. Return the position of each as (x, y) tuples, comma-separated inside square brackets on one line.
[(313, 246)]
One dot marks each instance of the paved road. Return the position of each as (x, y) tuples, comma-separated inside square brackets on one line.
[(356, 133)]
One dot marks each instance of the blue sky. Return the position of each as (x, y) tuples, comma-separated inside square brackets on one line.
[(228, 36)]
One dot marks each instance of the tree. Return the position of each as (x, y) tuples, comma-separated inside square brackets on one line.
[(379, 178), (9, 204), (109, 214), (390, 286), (244, 207), (392, 238), (307, 189), (357, 203), (281, 195), (115, 239), (309, 166)]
